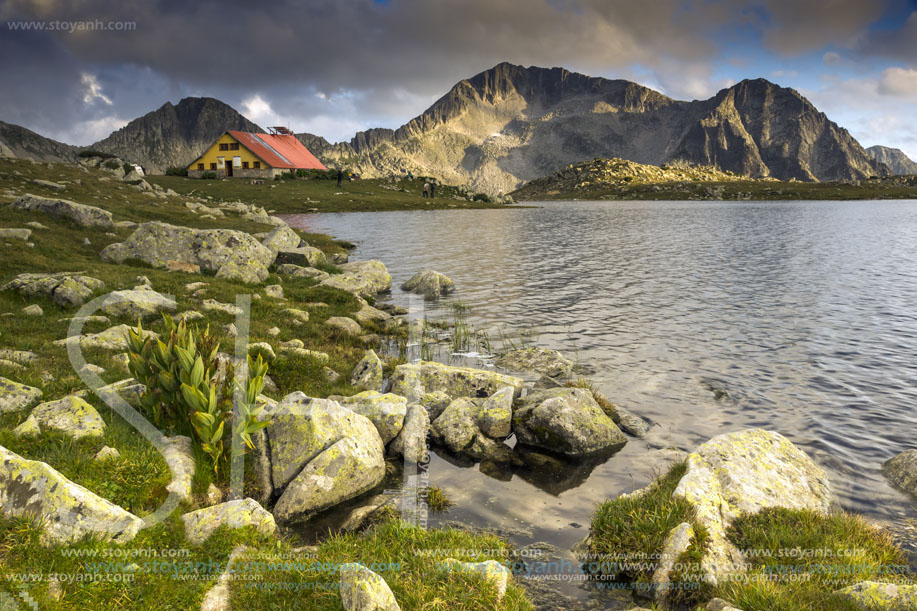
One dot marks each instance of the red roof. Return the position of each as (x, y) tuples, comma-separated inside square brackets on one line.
[(279, 150)]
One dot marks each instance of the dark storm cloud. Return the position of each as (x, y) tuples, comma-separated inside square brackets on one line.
[(379, 59)]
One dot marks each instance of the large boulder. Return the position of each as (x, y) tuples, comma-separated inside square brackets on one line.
[(15, 396), (567, 421), (367, 375), (429, 283), (901, 471), (385, 411), (455, 426), (320, 455), (539, 360), (494, 415), (65, 288), (345, 470), (414, 380), (200, 524), (80, 214), (300, 271), (137, 303), (231, 254), (363, 278), (363, 590), (68, 511), (71, 416), (281, 238), (742, 473)]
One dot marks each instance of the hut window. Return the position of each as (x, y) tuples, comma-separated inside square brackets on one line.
[(257, 165), (200, 166), (245, 165), (224, 146), (213, 166)]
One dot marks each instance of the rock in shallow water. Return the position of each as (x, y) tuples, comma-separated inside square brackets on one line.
[(429, 283), (363, 278), (539, 360), (567, 421), (901, 471), (414, 380)]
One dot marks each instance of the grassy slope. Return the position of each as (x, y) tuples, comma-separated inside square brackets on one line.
[(137, 480), (294, 196)]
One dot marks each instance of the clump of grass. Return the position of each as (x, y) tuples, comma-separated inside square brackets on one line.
[(435, 498), (802, 557)]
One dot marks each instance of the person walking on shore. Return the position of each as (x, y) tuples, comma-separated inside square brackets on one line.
[(426, 189), (432, 189), (340, 176)]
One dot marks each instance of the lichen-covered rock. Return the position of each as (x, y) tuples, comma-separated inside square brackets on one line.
[(742, 473), (350, 467), (28, 428), (429, 283), (80, 214), (137, 304), (363, 590), (33, 310), (363, 278), (200, 524), (302, 427), (411, 441), (718, 604), (65, 289), (233, 255), (113, 338), (367, 375), (299, 271), (71, 416), (567, 421), (7, 233), (435, 403), (281, 238), (629, 422), (68, 511), (385, 411), (456, 426), (493, 572), (107, 453), (900, 470), (539, 360), (368, 314), (304, 256), (15, 396), (347, 325), (212, 305), (414, 380), (274, 291), (881, 596), (494, 416)]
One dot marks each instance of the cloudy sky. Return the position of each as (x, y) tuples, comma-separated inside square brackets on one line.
[(333, 67)]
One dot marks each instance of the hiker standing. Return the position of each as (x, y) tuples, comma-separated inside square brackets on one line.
[(340, 176), (432, 189), (426, 189)]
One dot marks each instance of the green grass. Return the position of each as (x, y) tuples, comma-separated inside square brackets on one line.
[(806, 583), (436, 499), (306, 195), (138, 478), (414, 577)]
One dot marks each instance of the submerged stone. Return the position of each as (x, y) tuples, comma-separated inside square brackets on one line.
[(429, 283)]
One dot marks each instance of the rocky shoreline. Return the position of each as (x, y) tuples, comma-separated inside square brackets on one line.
[(334, 417)]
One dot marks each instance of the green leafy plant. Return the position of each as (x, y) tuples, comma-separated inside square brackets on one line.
[(209, 175), (184, 389)]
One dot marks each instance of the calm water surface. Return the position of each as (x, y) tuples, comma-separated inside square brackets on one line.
[(804, 312)]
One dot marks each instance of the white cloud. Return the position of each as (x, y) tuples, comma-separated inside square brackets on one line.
[(92, 90), (89, 131), (831, 58), (899, 82), (259, 110)]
